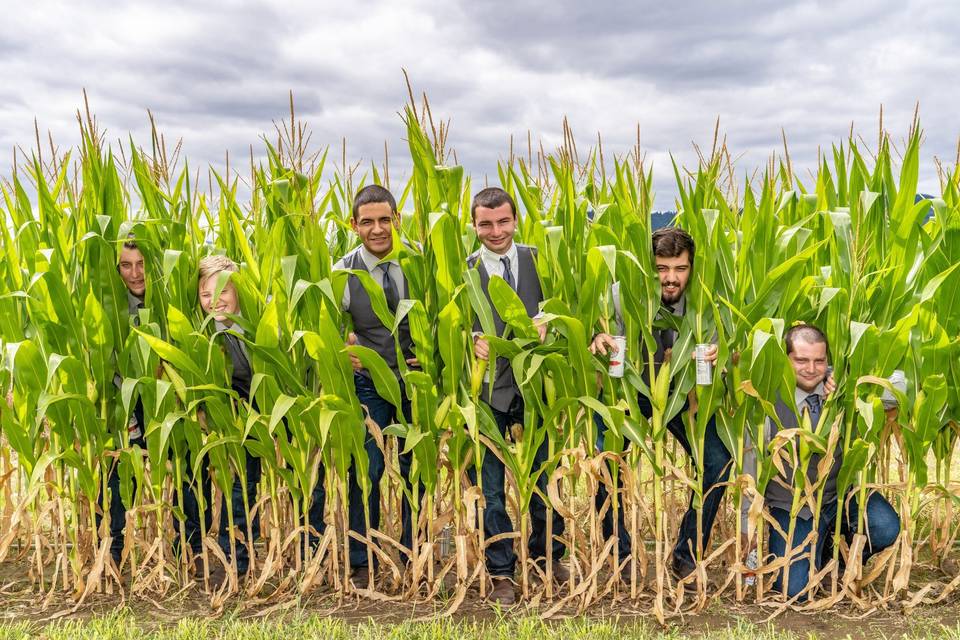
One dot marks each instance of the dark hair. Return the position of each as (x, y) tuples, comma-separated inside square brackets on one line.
[(373, 194), (671, 242), (131, 242), (491, 198), (806, 333)]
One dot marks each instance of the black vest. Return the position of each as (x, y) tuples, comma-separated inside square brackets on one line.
[(370, 331), (505, 388), (779, 491)]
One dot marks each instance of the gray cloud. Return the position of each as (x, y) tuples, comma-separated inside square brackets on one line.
[(217, 74)]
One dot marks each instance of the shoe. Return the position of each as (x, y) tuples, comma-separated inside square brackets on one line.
[(681, 568), (503, 593), (360, 578), (561, 574)]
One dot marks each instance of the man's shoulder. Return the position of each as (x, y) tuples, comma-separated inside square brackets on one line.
[(473, 257), (348, 259)]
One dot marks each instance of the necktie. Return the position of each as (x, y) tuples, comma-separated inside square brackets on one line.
[(813, 404), (508, 272), (389, 287), (666, 335)]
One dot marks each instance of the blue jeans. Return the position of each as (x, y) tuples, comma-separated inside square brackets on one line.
[(384, 414), (883, 527), (118, 511), (716, 467), (500, 557)]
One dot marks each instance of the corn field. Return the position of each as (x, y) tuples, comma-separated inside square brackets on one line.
[(848, 248)]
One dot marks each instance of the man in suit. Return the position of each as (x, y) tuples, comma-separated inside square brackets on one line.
[(673, 251), (374, 218), (807, 349), (495, 219), (132, 270)]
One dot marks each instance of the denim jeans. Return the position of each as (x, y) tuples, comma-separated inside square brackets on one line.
[(716, 466), (882, 523), (384, 414), (500, 556), (118, 511)]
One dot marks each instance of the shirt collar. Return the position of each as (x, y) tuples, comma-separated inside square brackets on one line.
[(371, 261), (222, 326), (133, 301), (679, 307), (800, 396), (489, 256)]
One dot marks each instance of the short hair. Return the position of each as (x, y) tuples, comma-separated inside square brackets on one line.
[(805, 333), (212, 265), (373, 194), (491, 198), (131, 242), (671, 242)]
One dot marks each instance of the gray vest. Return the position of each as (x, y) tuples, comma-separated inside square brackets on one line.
[(370, 331), (241, 374), (505, 388), (780, 496)]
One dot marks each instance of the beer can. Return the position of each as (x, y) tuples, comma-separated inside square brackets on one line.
[(445, 541), (704, 366), (133, 428), (617, 359), (750, 575)]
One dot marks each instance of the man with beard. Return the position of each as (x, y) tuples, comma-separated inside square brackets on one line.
[(495, 220), (673, 251)]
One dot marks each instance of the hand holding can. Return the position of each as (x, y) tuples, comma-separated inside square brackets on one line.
[(617, 359), (704, 366)]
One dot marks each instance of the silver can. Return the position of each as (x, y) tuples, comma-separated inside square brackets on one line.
[(750, 575), (445, 541), (617, 359), (704, 366)]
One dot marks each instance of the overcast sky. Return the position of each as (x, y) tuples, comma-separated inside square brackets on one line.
[(216, 74)]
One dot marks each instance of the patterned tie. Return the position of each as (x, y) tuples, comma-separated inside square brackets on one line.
[(508, 272), (813, 404), (389, 287)]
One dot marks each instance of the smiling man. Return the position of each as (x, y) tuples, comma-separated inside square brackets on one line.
[(374, 218), (674, 253), (495, 220), (808, 349)]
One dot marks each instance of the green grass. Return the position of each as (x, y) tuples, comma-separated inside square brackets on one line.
[(123, 625)]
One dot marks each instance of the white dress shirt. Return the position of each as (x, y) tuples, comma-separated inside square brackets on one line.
[(493, 265), (371, 261)]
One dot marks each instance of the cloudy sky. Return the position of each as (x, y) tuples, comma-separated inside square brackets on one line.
[(217, 74)]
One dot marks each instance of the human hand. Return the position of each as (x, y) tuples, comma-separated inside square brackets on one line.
[(354, 360), (829, 385), (710, 355), (542, 331), (481, 348), (603, 343)]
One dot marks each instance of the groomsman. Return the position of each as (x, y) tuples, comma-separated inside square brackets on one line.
[(808, 351), (132, 270), (374, 219), (495, 220), (673, 251)]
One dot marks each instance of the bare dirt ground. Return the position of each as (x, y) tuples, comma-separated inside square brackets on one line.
[(20, 601)]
